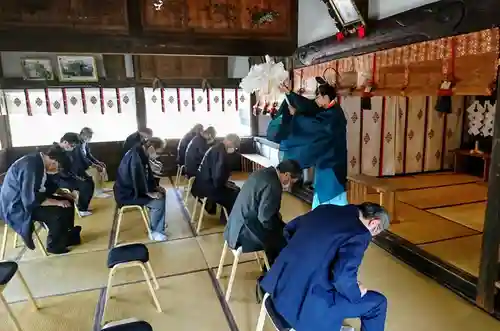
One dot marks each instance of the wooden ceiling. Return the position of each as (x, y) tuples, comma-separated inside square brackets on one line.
[(195, 27)]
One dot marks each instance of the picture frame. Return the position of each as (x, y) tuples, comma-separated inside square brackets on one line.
[(37, 69), (346, 11), (74, 68)]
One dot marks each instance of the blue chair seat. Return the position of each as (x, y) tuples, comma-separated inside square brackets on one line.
[(7, 271), (134, 326), (128, 253), (279, 322)]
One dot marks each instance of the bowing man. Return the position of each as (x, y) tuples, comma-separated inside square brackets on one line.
[(213, 175), (26, 197), (135, 138), (314, 281), (255, 222), (184, 142), (197, 148), (135, 185), (73, 176), (95, 168)]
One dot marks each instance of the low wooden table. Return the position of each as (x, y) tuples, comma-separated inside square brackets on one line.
[(460, 157)]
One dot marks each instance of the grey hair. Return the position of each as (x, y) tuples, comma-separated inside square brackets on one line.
[(371, 210), (86, 130), (234, 139)]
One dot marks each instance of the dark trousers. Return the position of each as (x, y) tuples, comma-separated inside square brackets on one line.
[(225, 196), (60, 221), (85, 190), (275, 243), (371, 310)]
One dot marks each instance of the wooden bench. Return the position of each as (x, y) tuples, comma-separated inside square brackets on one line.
[(252, 162), (357, 191)]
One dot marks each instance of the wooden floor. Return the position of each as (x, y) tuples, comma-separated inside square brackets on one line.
[(444, 215), (70, 288)]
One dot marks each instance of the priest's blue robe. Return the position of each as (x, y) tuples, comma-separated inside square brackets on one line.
[(314, 137)]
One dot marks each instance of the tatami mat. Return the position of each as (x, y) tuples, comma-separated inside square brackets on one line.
[(463, 253), (470, 215), (188, 302), (443, 196), (292, 207), (74, 312), (64, 274)]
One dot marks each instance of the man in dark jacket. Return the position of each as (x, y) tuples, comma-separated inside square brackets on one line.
[(135, 185), (26, 197), (184, 142), (213, 175), (255, 222), (197, 148), (314, 281), (73, 176), (136, 138), (93, 167)]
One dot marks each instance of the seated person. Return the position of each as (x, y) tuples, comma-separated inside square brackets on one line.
[(135, 138), (95, 168), (197, 148), (314, 281), (73, 175), (25, 198), (255, 222), (213, 175), (135, 185), (184, 142), (156, 145)]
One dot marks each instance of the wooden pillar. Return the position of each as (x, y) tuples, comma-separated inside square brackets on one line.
[(488, 269), (140, 107)]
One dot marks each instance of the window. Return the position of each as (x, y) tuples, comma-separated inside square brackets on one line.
[(41, 116), (172, 112)]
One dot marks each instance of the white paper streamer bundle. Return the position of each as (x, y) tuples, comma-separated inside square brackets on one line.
[(265, 78), (489, 118), (481, 118)]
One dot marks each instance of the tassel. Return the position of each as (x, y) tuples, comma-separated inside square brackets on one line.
[(361, 31), (340, 36), (366, 103), (443, 104)]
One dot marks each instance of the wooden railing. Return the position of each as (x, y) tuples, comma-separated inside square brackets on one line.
[(359, 186)]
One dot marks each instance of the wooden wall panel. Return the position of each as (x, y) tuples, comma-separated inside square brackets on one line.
[(435, 131), (415, 134), (352, 110), (454, 126), (371, 138), (194, 67), (400, 134)]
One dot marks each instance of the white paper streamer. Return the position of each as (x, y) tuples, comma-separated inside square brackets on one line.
[(265, 78)]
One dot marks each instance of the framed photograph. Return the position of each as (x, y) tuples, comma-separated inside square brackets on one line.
[(347, 11), (37, 69), (77, 69)]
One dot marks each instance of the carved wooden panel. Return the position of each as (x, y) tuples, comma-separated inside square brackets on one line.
[(230, 17), (100, 14), (164, 67), (172, 16), (49, 13)]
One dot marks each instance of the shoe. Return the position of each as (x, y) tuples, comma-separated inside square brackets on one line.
[(74, 238), (157, 236), (84, 213), (101, 195), (107, 190)]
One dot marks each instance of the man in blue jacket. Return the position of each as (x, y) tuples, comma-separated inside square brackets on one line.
[(135, 185), (27, 196), (314, 281)]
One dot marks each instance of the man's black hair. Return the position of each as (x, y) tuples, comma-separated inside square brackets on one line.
[(71, 137), (86, 130), (291, 166), (371, 210), (326, 89), (57, 153)]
